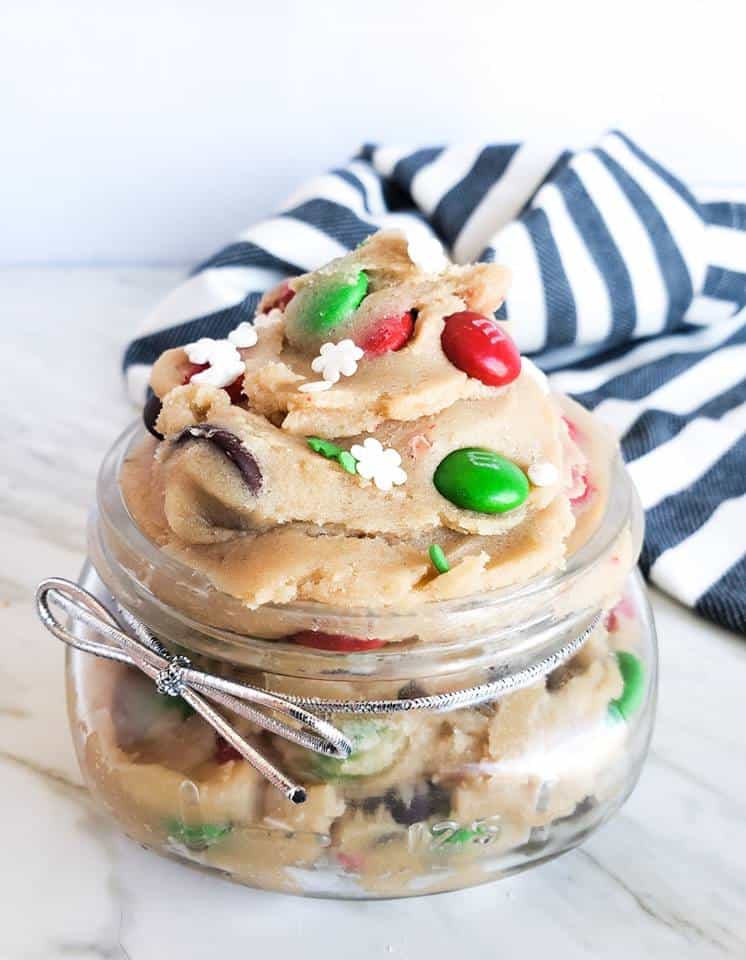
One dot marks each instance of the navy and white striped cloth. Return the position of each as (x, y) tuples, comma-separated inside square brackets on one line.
[(626, 288)]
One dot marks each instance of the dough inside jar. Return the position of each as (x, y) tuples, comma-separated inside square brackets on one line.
[(331, 494), (373, 442)]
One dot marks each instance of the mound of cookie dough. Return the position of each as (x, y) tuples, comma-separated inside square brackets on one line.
[(426, 798), (372, 440)]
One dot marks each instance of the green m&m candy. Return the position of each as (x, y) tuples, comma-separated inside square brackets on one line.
[(375, 746), (198, 836), (481, 480), (633, 692), (322, 306)]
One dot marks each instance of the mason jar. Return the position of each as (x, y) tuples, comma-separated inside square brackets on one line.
[(449, 791)]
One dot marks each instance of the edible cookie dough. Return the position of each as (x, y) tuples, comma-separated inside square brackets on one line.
[(426, 801), (374, 417), (372, 442)]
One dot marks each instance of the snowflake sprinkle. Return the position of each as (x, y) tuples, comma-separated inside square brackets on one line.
[(337, 359), (224, 359), (225, 363), (243, 336), (425, 251), (379, 465)]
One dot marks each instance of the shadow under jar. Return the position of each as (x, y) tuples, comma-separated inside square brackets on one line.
[(429, 800)]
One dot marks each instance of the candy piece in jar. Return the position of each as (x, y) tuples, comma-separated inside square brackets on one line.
[(438, 558), (340, 643), (322, 306), (351, 862), (199, 836), (231, 446), (424, 801), (277, 298), (481, 348), (138, 710), (150, 413), (582, 487), (623, 610), (168, 702), (332, 452), (225, 752), (451, 835), (411, 690), (375, 747), (481, 480), (387, 335), (633, 693)]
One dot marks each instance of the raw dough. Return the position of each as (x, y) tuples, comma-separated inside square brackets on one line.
[(316, 532)]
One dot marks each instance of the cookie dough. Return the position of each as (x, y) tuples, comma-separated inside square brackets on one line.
[(373, 443), (425, 801), (340, 457)]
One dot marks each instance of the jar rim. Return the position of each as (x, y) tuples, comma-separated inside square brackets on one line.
[(621, 510)]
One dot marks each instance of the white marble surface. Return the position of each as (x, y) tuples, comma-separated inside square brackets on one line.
[(667, 878)]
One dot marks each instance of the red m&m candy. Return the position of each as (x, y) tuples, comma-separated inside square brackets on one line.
[(390, 333), (277, 298), (339, 642), (225, 752), (481, 348)]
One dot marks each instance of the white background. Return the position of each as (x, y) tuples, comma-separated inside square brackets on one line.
[(151, 132)]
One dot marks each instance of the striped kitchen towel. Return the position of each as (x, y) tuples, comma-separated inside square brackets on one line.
[(626, 288)]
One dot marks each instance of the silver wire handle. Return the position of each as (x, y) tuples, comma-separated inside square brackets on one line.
[(176, 677)]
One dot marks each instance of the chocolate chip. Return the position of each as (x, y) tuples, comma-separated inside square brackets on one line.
[(498, 671), (150, 413), (371, 804), (557, 679), (428, 800), (231, 446), (411, 690), (537, 840), (582, 809), (585, 806)]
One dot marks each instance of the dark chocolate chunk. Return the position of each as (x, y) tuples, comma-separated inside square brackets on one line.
[(498, 671), (371, 804), (150, 413), (537, 840), (582, 809), (585, 806), (427, 800), (231, 446), (411, 691), (557, 679)]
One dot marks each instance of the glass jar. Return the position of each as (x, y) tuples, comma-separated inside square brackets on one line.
[(428, 800)]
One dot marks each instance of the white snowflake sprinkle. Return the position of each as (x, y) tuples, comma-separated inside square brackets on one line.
[(200, 351), (243, 336), (426, 252), (543, 474), (337, 359), (225, 363), (379, 465), (316, 386)]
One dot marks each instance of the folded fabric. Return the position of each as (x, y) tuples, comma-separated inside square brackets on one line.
[(626, 288)]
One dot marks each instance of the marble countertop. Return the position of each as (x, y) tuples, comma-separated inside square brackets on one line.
[(666, 878)]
